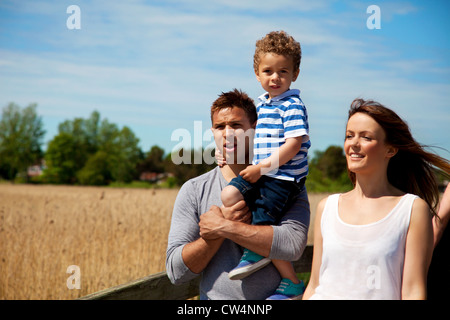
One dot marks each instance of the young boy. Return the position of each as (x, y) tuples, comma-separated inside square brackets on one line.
[(281, 144)]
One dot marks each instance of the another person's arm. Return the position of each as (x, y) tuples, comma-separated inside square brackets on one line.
[(439, 224)]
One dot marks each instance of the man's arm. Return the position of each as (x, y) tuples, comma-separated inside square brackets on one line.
[(183, 230), (285, 241), (187, 253), (291, 235), (213, 225), (197, 254)]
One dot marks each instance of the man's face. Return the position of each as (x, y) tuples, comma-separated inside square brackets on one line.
[(233, 134)]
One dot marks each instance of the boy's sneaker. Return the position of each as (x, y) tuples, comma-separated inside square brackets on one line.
[(249, 263), (287, 290)]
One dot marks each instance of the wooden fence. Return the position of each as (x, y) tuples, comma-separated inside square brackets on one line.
[(158, 286)]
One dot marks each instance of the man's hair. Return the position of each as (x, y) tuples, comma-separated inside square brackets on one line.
[(278, 42), (235, 98)]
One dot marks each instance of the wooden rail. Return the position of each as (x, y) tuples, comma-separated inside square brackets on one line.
[(158, 286)]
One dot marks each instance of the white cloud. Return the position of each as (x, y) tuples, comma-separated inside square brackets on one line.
[(162, 64)]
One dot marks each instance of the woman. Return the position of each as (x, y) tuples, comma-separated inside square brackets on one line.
[(376, 241)]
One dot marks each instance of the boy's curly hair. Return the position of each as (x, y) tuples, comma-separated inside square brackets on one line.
[(278, 42)]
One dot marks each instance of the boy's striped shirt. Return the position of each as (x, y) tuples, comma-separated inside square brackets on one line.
[(280, 118)]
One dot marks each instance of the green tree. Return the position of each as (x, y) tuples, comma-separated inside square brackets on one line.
[(21, 134), (154, 161), (93, 152), (69, 150), (85, 133), (124, 155), (332, 162), (63, 159), (96, 171), (328, 171), (186, 171)]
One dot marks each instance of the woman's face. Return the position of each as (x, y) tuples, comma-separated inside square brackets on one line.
[(365, 147)]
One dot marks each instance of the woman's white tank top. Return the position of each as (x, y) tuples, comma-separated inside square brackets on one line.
[(363, 261)]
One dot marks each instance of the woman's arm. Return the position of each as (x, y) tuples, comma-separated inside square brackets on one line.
[(418, 252), (317, 254)]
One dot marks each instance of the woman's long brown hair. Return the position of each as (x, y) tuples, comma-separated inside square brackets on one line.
[(411, 169)]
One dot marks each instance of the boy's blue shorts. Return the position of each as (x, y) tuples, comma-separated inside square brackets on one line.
[(268, 198)]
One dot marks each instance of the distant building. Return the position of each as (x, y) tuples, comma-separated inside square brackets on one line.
[(153, 176), (36, 169)]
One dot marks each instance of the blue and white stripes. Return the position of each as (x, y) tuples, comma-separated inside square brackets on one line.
[(282, 117)]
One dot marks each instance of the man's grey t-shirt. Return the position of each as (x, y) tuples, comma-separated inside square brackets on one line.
[(196, 197)]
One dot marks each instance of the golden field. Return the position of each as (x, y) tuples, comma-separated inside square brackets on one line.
[(112, 235)]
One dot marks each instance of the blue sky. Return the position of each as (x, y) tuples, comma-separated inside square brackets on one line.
[(156, 66)]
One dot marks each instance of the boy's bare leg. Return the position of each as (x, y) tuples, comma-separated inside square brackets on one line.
[(286, 270), (230, 196)]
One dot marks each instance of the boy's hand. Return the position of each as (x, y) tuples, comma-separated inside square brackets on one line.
[(220, 158), (251, 174)]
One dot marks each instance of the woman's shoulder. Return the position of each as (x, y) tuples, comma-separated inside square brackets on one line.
[(420, 206), (420, 215), (325, 200)]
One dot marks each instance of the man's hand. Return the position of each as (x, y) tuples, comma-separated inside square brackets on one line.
[(212, 221), (251, 174), (238, 212)]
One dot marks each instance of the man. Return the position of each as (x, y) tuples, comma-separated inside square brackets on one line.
[(206, 240)]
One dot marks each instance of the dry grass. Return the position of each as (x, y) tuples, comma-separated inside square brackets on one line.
[(113, 235)]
